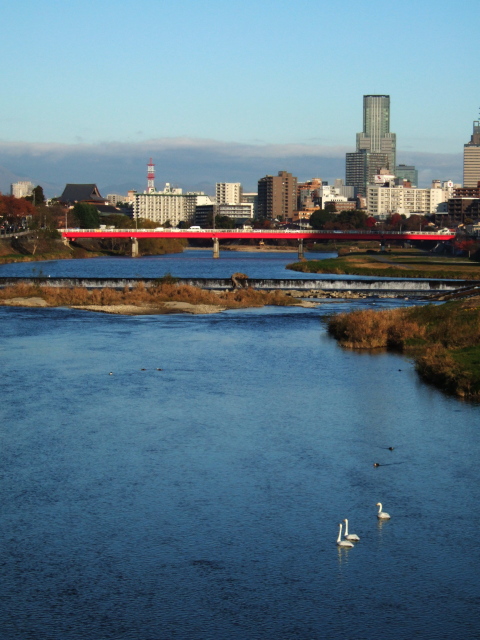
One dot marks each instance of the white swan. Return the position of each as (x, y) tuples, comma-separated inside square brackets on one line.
[(350, 536), (346, 544), (381, 514)]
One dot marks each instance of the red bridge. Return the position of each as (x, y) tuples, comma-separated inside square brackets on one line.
[(256, 234)]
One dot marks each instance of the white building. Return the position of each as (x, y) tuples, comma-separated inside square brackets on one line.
[(383, 201), (228, 192), (328, 193), (203, 199), (22, 189), (170, 205)]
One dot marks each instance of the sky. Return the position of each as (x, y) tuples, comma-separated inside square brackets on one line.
[(205, 87)]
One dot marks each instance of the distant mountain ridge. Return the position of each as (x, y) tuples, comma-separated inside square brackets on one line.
[(194, 165)]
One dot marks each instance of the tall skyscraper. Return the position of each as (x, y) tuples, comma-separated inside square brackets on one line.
[(376, 146), (471, 158)]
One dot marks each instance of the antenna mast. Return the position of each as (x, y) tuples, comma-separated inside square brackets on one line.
[(150, 177)]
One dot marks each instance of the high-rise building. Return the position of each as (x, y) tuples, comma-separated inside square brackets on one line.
[(376, 145), (277, 196), (408, 173), (471, 158), (228, 193)]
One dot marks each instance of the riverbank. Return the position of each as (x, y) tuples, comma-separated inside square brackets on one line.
[(164, 298), (41, 247), (407, 263), (443, 340)]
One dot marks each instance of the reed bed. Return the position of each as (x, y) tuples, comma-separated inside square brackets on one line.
[(444, 340), (142, 295)]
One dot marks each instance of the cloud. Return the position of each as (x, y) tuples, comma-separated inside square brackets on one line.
[(188, 162)]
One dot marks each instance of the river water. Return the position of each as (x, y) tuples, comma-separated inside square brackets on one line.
[(202, 500)]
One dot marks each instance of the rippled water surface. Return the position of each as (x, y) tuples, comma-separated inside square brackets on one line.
[(191, 263), (202, 501)]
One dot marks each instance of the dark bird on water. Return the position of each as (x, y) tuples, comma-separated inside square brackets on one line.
[(390, 448), (376, 464)]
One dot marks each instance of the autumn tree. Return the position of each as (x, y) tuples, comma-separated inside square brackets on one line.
[(12, 209), (416, 222), (466, 245), (355, 219), (396, 221)]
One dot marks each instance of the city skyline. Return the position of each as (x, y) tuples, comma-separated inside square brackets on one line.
[(92, 76)]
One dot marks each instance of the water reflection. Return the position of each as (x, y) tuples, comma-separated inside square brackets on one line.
[(342, 556), (382, 523)]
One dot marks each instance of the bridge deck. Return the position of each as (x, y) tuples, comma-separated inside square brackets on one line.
[(256, 234)]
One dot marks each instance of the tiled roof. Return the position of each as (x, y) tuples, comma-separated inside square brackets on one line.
[(81, 193)]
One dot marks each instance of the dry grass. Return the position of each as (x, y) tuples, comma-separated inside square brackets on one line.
[(444, 340), (438, 366), (367, 329), (141, 295)]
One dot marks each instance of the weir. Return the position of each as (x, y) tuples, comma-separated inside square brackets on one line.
[(377, 285)]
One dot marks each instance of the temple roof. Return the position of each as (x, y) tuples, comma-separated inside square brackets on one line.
[(81, 193)]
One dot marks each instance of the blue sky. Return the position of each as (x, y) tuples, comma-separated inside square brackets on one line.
[(259, 73)]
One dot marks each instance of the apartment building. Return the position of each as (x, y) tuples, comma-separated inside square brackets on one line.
[(277, 196), (383, 201), (228, 192), (170, 205)]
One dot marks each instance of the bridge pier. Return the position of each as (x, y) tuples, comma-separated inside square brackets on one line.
[(134, 248), (216, 248), (301, 254)]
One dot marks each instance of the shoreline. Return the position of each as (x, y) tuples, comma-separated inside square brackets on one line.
[(442, 340)]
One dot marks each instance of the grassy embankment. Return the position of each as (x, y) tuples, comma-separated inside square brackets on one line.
[(33, 249), (398, 263), (153, 297), (444, 340)]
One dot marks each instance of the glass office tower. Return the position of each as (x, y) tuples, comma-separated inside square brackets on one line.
[(376, 146)]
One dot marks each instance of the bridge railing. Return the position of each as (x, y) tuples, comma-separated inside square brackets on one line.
[(262, 231)]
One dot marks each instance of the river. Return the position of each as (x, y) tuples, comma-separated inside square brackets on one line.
[(196, 492)]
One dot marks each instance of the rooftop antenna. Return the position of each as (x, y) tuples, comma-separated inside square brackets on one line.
[(150, 177)]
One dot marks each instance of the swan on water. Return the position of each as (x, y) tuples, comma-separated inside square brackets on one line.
[(346, 544), (350, 536), (382, 514)]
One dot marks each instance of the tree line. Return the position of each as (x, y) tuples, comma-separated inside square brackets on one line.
[(357, 219)]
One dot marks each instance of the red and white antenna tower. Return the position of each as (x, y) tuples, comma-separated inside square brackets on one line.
[(150, 177)]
